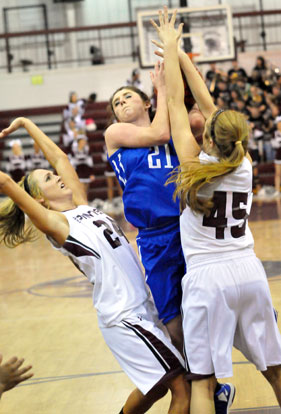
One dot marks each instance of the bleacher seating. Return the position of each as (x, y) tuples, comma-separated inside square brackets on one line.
[(266, 173)]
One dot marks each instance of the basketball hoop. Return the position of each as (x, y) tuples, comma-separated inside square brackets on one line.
[(192, 55)]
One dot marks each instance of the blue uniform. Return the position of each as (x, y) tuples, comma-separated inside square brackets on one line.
[(149, 206)]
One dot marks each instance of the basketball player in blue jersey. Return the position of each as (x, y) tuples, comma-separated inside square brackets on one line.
[(142, 156), (226, 297), (127, 317)]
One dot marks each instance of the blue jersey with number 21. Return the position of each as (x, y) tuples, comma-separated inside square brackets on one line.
[(142, 173)]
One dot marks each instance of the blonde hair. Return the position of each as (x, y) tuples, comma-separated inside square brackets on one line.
[(229, 131), (13, 229)]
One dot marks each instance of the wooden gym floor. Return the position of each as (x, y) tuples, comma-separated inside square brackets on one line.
[(47, 317)]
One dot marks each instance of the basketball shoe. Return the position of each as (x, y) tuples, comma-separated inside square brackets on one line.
[(224, 396)]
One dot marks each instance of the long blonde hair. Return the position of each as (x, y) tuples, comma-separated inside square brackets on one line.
[(229, 131), (13, 229)]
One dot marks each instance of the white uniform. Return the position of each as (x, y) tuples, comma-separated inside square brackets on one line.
[(226, 298), (126, 313)]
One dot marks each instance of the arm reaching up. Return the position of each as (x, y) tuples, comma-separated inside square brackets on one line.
[(195, 82), (56, 157), (183, 138), (197, 85)]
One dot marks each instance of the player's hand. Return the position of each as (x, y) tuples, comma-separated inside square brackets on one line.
[(14, 126), (166, 29), (11, 373), (157, 76)]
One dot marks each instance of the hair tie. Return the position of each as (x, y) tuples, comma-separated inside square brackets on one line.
[(238, 142), (213, 123), (26, 185)]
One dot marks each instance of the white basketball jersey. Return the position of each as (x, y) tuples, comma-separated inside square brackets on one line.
[(226, 229), (99, 248)]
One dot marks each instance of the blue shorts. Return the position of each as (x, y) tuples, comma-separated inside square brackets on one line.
[(162, 258)]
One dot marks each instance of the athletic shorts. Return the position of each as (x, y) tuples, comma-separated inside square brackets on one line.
[(162, 258), (226, 302), (143, 349)]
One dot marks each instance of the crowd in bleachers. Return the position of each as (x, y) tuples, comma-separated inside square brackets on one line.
[(76, 130), (258, 96)]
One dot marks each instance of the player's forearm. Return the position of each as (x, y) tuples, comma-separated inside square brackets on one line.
[(174, 83), (197, 86), (160, 124), (50, 150)]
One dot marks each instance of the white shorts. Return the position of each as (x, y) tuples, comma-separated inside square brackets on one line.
[(226, 302), (143, 350)]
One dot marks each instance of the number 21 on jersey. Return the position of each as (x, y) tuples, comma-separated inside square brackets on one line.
[(156, 158)]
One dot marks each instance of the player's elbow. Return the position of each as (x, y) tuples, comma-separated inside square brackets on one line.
[(164, 137), (5, 180)]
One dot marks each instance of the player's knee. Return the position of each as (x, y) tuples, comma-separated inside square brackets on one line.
[(180, 387)]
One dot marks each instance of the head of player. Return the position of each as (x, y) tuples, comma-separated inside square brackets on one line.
[(225, 138), (46, 188), (130, 104)]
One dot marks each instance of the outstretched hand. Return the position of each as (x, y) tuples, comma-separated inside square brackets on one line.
[(14, 126), (11, 373), (157, 76), (166, 29)]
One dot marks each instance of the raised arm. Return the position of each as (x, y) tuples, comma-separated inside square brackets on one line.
[(197, 85), (56, 157), (140, 132), (195, 82), (183, 138)]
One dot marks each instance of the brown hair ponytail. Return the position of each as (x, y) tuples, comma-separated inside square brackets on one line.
[(230, 133), (13, 230)]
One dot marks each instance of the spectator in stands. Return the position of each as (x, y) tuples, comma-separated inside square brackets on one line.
[(82, 161), (92, 97), (256, 99), (36, 159), (75, 110), (255, 117), (17, 162), (72, 130), (268, 130), (241, 106), (259, 73), (222, 90), (277, 159), (235, 96), (76, 106), (135, 80), (213, 75), (274, 96), (236, 72), (222, 103), (243, 87)]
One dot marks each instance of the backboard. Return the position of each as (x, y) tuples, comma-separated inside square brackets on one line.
[(207, 33)]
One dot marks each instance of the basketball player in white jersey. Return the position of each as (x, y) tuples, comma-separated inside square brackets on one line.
[(226, 297), (57, 205)]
